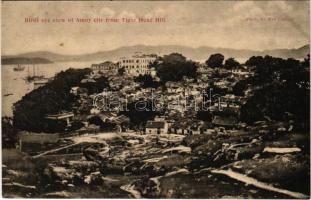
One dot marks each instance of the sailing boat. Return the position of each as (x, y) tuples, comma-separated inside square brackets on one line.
[(33, 77), (18, 68)]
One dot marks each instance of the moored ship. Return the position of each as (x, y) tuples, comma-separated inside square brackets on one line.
[(19, 68)]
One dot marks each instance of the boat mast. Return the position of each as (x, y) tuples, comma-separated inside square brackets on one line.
[(34, 70)]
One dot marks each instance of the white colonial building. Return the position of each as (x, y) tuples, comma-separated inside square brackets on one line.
[(138, 64)]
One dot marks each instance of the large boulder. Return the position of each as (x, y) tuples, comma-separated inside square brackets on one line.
[(163, 165), (182, 184), (83, 166), (286, 171), (196, 140), (18, 189)]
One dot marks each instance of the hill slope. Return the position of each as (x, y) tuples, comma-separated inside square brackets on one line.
[(24, 60)]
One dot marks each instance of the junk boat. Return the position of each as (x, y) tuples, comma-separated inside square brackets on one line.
[(19, 68)]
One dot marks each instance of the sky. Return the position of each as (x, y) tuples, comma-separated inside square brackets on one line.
[(257, 25)]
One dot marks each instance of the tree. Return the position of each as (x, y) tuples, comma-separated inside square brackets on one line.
[(268, 68), (306, 62), (121, 71), (215, 60), (9, 133), (254, 61), (239, 88), (95, 87), (250, 112), (174, 58), (205, 116), (139, 112), (147, 81), (174, 67), (231, 63), (29, 113), (284, 88), (104, 126)]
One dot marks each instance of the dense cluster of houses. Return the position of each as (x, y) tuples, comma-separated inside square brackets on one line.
[(179, 102)]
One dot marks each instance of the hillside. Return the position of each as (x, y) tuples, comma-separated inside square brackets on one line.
[(24, 60)]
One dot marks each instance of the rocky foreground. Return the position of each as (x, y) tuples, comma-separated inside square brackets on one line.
[(236, 164)]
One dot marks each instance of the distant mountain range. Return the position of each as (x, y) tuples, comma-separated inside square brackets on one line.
[(24, 60), (199, 54)]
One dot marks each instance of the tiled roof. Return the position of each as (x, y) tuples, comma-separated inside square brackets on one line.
[(225, 120), (154, 124)]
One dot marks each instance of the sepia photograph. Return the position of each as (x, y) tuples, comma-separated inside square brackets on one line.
[(155, 99)]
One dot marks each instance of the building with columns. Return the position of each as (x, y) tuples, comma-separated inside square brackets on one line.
[(137, 64)]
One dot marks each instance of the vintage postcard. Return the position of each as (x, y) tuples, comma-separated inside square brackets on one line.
[(155, 99)]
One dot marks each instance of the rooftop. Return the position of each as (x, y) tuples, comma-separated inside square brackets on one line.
[(155, 124), (225, 121), (60, 115)]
